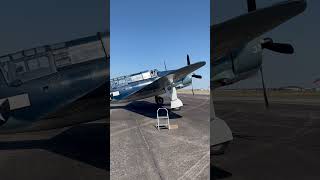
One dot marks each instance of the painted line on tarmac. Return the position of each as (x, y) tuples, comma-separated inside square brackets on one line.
[(177, 138), (198, 168), (131, 128)]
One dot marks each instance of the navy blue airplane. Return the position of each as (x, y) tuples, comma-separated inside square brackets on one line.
[(236, 52), (39, 81), (154, 83)]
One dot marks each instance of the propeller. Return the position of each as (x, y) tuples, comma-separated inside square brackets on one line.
[(188, 60), (194, 75), (252, 6), (165, 66), (277, 47), (192, 89), (283, 48), (264, 89), (267, 43)]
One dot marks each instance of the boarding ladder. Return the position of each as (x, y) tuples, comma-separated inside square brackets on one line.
[(163, 120)]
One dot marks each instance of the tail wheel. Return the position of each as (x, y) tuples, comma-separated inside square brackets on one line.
[(159, 100)]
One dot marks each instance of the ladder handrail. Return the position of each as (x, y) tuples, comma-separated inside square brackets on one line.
[(167, 116), (163, 117)]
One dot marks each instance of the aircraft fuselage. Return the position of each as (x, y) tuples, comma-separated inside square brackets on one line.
[(35, 84), (126, 85)]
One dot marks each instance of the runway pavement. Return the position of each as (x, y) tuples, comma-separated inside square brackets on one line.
[(280, 143), (79, 152), (140, 151), (72, 153)]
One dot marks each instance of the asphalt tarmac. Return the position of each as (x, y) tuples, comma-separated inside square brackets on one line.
[(72, 153), (140, 151), (280, 143)]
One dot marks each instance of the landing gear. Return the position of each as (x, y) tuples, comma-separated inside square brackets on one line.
[(159, 100), (176, 109), (221, 134), (171, 92), (176, 103)]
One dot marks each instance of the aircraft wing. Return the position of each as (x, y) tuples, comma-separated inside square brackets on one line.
[(158, 86), (240, 30)]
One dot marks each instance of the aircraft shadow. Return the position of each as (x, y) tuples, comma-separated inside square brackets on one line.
[(218, 173), (88, 143), (147, 109)]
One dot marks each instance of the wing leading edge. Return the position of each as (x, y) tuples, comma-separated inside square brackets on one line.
[(158, 86), (242, 29)]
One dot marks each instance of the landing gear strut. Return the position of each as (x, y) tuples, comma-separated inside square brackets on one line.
[(221, 134), (159, 100), (176, 103)]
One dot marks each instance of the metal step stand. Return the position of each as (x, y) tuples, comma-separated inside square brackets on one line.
[(165, 120)]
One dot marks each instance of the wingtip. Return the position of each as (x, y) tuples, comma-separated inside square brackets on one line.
[(203, 62)]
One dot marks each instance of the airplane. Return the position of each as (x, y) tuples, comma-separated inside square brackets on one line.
[(236, 54), (154, 83), (37, 82)]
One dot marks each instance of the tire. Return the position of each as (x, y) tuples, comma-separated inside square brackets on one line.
[(159, 100)]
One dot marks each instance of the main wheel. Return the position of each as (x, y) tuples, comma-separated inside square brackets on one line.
[(159, 100)]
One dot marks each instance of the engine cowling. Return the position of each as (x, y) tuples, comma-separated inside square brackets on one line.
[(247, 59), (186, 81), (239, 64)]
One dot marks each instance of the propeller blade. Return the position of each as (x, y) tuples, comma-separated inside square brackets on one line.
[(193, 75), (252, 6), (192, 89), (188, 60), (278, 47), (165, 66), (196, 76), (264, 89)]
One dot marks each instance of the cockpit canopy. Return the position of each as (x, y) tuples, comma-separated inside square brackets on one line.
[(41, 61), (26, 65), (133, 78)]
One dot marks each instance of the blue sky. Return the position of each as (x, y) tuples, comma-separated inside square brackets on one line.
[(144, 33)]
